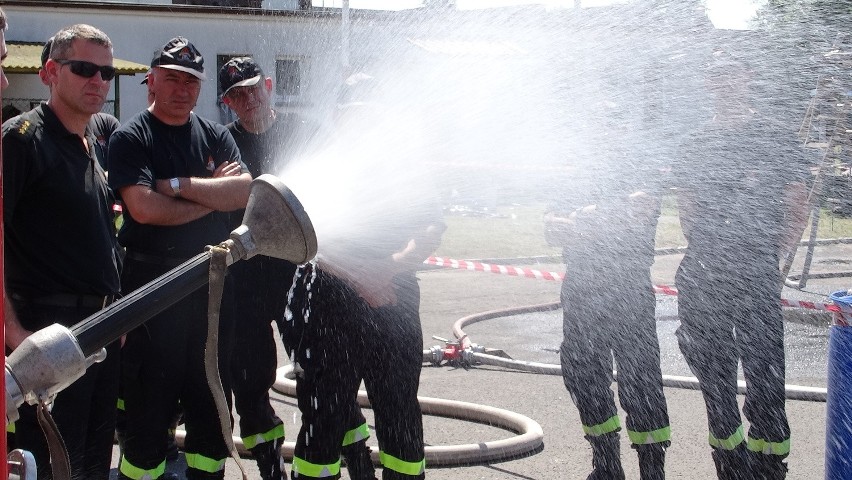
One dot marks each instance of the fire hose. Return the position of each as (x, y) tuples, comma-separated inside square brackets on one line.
[(465, 351), (528, 439), (53, 358)]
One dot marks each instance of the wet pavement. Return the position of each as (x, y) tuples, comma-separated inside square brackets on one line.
[(448, 295)]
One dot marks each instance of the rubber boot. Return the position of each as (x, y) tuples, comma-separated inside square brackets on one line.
[(732, 464), (358, 461), (268, 458), (195, 474), (652, 461), (606, 457), (767, 467)]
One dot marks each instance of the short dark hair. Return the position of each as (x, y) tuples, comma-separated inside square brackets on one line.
[(45, 51), (64, 39)]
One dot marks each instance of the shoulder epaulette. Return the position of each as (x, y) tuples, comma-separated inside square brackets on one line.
[(21, 127)]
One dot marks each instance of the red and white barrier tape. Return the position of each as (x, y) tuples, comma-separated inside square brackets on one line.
[(499, 269), (532, 273)]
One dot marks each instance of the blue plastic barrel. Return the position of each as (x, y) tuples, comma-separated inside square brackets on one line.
[(838, 428)]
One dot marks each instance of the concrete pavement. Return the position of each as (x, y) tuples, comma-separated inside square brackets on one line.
[(448, 295)]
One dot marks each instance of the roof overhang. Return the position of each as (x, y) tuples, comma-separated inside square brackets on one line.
[(25, 57)]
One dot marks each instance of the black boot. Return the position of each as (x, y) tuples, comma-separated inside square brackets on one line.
[(606, 457), (767, 467), (732, 464), (268, 458), (195, 474), (358, 461), (164, 476), (652, 461)]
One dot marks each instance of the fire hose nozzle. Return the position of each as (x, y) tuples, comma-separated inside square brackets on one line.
[(275, 224), (45, 363)]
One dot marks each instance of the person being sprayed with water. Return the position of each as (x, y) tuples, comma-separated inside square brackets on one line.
[(178, 176), (741, 187), (53, 179), (605, 221), (358, 305)]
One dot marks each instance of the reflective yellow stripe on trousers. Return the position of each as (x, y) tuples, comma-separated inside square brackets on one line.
[(205, 464), (135, 473), (659, 435), (254, 440), (361, 432), (611, 425), (401, 466), (729, 443), (768, 448), (315, 470)]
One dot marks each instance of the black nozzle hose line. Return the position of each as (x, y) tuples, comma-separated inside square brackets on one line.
[(108, 325)]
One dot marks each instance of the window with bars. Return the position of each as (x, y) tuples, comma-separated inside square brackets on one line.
[(288, 77)]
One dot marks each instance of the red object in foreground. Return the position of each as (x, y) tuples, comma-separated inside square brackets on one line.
[(4, 474)]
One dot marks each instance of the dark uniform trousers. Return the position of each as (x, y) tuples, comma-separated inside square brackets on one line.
[(343, 340), (84, 412), (260, 285), (252, 378), (608, 313), (163, 364), (727, 314)]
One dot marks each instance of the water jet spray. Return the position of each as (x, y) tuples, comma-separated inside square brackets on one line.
[(275, 224)]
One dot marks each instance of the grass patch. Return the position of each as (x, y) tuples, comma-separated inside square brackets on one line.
[(518, 231), (511, 231)]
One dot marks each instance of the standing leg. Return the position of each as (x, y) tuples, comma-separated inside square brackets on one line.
[(706, 339), (760, 336), (392, 374), (324, 377), (640, 380), (586, 360), (355, 451)]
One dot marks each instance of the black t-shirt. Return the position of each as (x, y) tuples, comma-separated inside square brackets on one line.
[(145, 150), (103, 125), (604, 172), (269, 151), (262, 282), (736, 176), (57, 210)]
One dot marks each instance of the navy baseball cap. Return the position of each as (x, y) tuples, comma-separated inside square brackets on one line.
[(180, 55), (239, 72)]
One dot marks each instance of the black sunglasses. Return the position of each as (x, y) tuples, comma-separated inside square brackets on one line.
[(88, 69)]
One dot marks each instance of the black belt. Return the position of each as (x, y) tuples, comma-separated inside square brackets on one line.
[(67, 300), (155, 259)]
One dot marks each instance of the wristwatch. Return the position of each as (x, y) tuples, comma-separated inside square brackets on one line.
[(175, 183)]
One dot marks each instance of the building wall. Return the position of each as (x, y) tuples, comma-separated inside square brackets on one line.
[(313, 39)]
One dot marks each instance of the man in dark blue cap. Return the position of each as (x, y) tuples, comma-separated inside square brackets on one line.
[(261, 283), (178, 176), (268, 141)]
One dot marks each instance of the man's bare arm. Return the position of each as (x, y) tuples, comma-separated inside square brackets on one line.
[(224, 193), (152, 208)]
